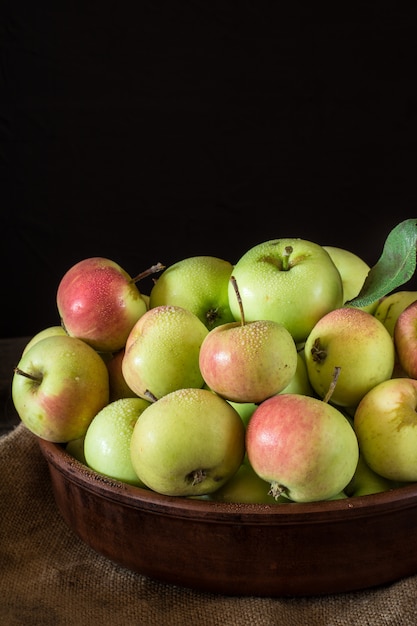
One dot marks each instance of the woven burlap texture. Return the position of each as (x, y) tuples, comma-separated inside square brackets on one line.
[(50, 578)]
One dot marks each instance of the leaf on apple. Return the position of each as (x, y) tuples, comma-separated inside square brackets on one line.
[(395, 266)]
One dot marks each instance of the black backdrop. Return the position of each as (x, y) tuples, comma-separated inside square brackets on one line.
[(150, 131)]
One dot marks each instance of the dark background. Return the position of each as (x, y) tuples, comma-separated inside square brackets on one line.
[(151, 131)]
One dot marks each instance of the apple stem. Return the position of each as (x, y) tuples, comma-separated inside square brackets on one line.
[(286, 257), (276, 490), (239, 299), (37, 379), (332, 385), (151, 270)]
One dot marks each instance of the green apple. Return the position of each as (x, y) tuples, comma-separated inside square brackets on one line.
[(199, 284), (147, 298), (245, 410), (76, 449), (291, 281), (58, 386), (248, 362), (389, 307), (300, 382), (305, 448), (365, 481), (162, 352), (388, 310), (354, 271), (107, 440), (385, 423), (99, 302), (354, 341), (246, 487), (188, 443), (339, 496), (42, 334)]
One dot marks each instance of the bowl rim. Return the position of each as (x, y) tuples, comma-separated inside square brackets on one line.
[(102, 486)]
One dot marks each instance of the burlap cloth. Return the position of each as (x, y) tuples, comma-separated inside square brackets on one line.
[(49, 577)]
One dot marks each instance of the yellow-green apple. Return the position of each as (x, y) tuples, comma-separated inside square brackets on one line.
[(147, 298), (75, 448), (42, 334), (405, 339), (118, 387), (107, 440), (248, 361), (187, 443), (99, 302), (305, 448), (339, 496), (199, 284), (354, 271), (58, 386), (162, 352), (246, 487), (300, 382), (365, 481), (390, 306), (354, 341), (291, 281), (387, 311), (385, 423), (245, 410)]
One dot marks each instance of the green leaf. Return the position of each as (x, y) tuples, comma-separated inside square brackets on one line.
[(395, 266)]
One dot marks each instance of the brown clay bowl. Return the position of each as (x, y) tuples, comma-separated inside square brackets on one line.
[(239, 549)]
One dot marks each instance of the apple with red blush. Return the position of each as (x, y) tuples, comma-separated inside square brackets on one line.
[(99, 302), (304, 447), (248, 361), (58, 386), (405, 339)]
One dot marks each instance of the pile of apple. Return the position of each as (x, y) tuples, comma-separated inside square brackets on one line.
[(269, 380)]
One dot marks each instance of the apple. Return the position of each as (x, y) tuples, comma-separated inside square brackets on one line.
[(147, 298), (75, 448), (162, 352), (354, 271), (248, 362), (300, 382), (385, 423), (365, 481), (354, 341), (339, 496), (305, 448), (187, 443), (107, 440), (388, 311), (118, 387), (405, 339), (390, 306), (99, 302), (245, 410), (199, 284), (291, 281), (58, 386), (247, 487), (42, 334)]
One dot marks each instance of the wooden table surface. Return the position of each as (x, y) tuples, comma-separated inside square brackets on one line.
[(10, 351)]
